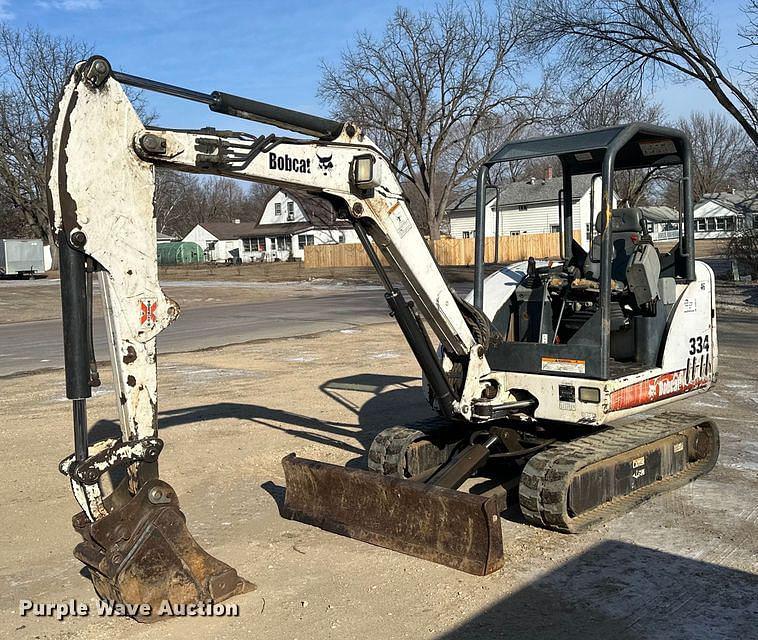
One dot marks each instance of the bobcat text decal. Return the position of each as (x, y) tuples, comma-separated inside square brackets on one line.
[(654, 389), (288, 163)]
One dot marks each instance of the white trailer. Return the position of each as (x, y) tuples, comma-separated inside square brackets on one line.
[(21, 257)]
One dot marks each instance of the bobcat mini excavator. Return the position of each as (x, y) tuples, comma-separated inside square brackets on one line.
[(532, 377)]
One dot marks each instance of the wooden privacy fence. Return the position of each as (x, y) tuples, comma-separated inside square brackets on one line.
[(448, 251)]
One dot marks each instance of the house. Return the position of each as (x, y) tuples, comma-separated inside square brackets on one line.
[(310, 220), (291, 221), (221, 241), (719, 215), (529, 206), (165, 237)]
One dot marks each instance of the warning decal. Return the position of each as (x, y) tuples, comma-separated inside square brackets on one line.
[(147, 315), (401, 221), (563, 365)]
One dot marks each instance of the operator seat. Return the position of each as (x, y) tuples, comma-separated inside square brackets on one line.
[(626, 230)]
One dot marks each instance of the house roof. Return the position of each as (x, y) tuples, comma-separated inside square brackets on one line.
[(528, 191), (320, 211), (740, 202), (235, 231), (229, 230), (282, 229)]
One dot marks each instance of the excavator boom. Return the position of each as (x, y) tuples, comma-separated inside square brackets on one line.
[(101, 188)]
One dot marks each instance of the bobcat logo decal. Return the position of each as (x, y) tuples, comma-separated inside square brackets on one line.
[(325, 164)]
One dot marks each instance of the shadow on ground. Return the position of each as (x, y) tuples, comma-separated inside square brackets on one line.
[(624, 592), (391, 400)]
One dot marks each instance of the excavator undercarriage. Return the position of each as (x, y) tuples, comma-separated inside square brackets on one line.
[(566, 485), (539, 376)]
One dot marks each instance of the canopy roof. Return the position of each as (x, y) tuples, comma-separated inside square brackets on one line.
[(636, 145)]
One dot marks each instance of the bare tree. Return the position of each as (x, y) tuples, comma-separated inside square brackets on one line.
[(718, 149), (633, 41), (428, 87), (34, 66), (175, 201), (749, 31), (183, 200), (33, 69), (588, 106)]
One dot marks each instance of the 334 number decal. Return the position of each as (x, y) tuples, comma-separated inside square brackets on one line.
[(699, 344)]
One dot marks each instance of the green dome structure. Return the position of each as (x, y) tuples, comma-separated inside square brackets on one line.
[(170, 253)]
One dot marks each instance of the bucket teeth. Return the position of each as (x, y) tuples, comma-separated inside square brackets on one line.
[(143, 554), (449, 527)]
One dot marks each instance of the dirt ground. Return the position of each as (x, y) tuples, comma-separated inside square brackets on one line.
[(680, 566)]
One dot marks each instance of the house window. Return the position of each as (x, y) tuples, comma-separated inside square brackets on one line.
[(555, 228), (210, 245), (700, 224), (277, 208), (468, 234), (281, 243), (305, 240), (522, 207), (341, 239), (290, 211), (254, 244)]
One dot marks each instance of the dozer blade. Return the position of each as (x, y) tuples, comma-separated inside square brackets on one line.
[(143, 554), (449, 527)]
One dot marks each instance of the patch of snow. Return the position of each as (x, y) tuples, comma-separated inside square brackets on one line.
[(385, 355)]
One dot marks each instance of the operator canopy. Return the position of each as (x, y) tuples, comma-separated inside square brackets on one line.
[(636, 145)]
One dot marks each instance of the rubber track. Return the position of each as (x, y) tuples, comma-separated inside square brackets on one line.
[(387, 452), (546, 478)]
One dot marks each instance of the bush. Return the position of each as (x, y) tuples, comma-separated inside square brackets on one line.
[(743, 247)]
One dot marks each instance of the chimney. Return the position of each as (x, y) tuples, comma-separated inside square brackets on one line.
[(236, 221), (549, 173)]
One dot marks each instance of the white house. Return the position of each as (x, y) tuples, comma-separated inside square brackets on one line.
[(529, 206), (291, 220), (221, 241), (719, 215)]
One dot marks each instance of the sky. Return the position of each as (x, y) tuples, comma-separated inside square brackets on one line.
[(269, 50)]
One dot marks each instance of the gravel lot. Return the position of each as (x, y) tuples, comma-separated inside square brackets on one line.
[(680, 566)]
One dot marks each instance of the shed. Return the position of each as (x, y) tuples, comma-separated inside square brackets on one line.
[(179, 253)]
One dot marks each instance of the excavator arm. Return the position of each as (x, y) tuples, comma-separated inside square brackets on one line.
[(101, 189)]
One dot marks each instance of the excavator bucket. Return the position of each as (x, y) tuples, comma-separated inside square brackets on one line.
[(143, 554), (449, 527)]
